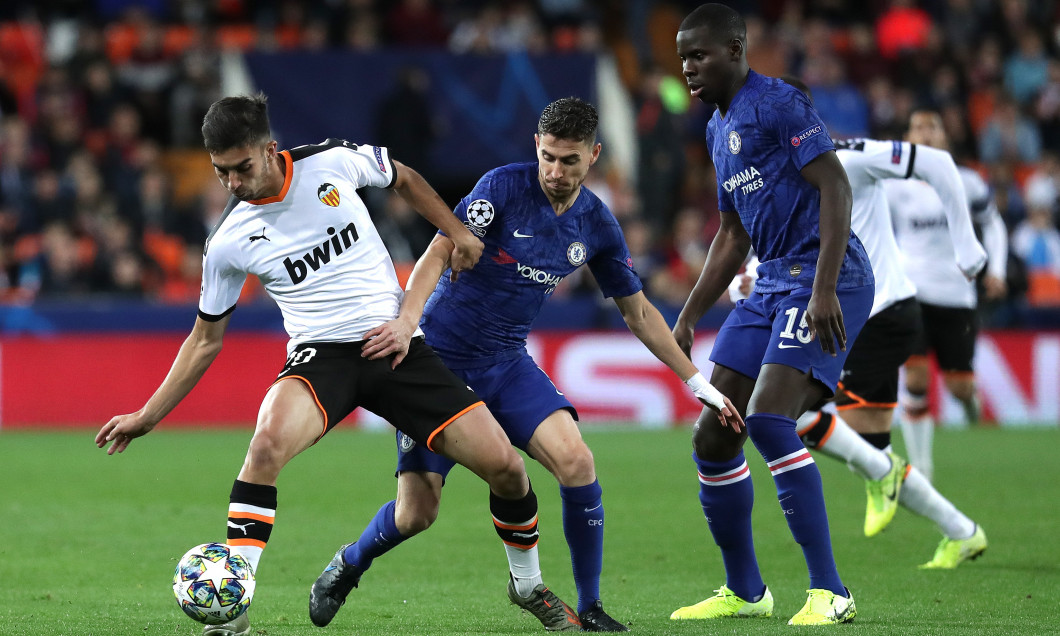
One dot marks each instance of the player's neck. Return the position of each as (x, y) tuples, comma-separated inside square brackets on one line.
[(277, 177), (562, 205), (738, 81)]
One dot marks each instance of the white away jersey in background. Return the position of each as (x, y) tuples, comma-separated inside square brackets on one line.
[(868, 163), (924, 238), (313, 246)]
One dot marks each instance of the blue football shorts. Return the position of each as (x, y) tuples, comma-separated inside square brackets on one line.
[(771, 329), (518, 393)]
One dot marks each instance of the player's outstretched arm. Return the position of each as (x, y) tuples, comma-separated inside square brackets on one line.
[(823, 313), (727, 253), (648, 325), (995, 241), (421, 196), (936, 167), (195, 356), (394, 336)]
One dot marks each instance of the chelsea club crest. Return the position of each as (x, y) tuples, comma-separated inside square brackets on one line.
[(734, 142), (576, 253)]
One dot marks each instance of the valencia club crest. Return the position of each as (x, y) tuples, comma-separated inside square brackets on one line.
[(328, 195)]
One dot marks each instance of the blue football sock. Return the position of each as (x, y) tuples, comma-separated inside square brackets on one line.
[(727, 496), (583, 525), (379, 537), (800, 493)]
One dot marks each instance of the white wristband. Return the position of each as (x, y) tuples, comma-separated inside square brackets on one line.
[(705, 391)]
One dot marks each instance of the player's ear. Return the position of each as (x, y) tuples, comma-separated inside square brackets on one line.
[(736, 48), (595, 153)]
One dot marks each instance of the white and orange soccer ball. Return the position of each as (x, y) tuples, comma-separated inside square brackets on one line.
[(212, 584)]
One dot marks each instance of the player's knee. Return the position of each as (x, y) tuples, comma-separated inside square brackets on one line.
[(961, 388), (916, 380), (576, 466), (414, 519), (267, 451), (713, 442), (507, 476)]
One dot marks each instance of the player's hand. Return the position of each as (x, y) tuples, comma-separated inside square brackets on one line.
[(466, 252), (824, 317), (711, 397), (390, 338), (121, 430), (684, 335), (746, 285), (740, 287), (994, 287)]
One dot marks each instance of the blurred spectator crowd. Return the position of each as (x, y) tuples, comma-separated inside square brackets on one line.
[(104, 188)]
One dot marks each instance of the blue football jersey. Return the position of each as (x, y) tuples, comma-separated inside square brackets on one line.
[(485, 316), (769, 133)]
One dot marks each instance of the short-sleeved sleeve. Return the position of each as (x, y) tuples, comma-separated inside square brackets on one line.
[(222, 282), (799, 129), (370, 166), (478, 209), (612, 265)]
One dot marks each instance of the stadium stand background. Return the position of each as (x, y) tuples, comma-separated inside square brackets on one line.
[(106, 196)]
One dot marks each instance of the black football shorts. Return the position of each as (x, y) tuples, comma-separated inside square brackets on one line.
[(870, 375), (419, 398), (950, 332)]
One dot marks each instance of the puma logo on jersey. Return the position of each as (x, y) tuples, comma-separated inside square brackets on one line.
[(321, 255), (258, 238)]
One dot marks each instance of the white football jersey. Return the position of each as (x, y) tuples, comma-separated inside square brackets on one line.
[(868, 163), (313, 246), (923, 232)]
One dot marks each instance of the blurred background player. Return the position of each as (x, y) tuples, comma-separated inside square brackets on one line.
[(948, 299), (782, 191), (869, 387), (539, 225)]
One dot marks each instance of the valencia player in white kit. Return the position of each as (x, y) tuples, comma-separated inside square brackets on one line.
[(296, 222), (948, 300)]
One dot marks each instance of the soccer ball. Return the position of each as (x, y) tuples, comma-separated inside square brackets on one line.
[(480, 213), (212, 584)]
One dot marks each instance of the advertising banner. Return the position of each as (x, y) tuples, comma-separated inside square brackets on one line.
[(83, 380)]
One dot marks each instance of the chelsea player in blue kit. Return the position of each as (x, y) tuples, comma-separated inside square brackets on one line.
[(539, 225), (782, 191)]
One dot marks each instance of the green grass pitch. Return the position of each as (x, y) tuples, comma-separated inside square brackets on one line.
[(88, 542)]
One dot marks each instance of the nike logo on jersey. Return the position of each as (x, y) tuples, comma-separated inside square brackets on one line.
[(784, 345), (518, 234), (593, 508), (258, 238)]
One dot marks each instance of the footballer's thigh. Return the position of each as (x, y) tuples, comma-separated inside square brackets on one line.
[(289, 421), (536, 416), (476, 441), (558, 445)]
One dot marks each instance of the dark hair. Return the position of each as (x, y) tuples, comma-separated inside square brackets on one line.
[(724, 23), (569, 118), (236, 122)]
